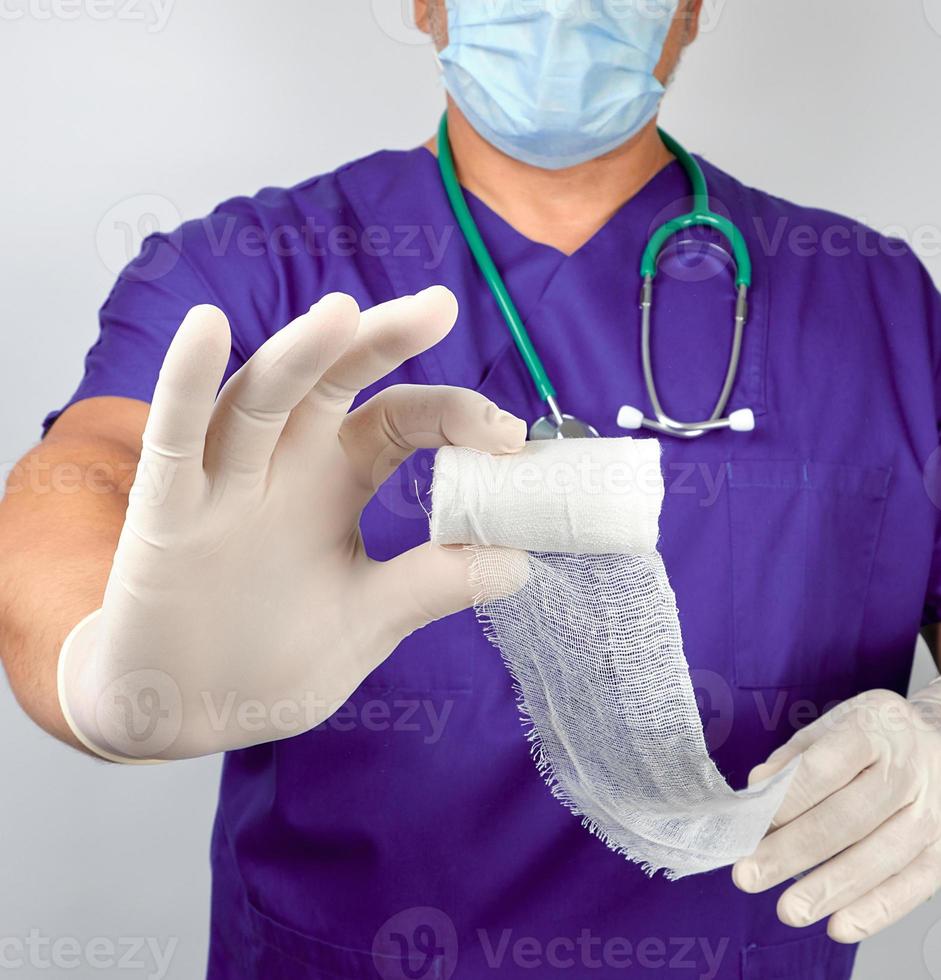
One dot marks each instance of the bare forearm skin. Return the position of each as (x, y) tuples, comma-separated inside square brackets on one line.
[(60, 519)]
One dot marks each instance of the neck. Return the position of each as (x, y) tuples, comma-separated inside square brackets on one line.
[(561, 208)]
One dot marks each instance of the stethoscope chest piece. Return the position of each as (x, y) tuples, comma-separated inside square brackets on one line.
[(558, 425), (570, 428)]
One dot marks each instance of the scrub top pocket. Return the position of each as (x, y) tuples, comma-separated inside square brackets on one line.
[(803, 540), (806, 958)]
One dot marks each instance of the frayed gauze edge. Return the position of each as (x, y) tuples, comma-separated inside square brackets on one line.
[(587, 625)]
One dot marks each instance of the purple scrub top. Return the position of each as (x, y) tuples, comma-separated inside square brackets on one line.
[(411, 836)]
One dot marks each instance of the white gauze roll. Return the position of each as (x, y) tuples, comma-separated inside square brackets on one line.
[(588, 627)]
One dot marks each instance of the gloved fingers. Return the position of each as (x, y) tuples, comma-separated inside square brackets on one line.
[(186, 387), (849, 876), (802, 740), (382, 433), (430, 582), (871, 712), (256, 402), (170, 477), (836, 823), (420, 586), (388, 335), (889, 902), (826, 766)]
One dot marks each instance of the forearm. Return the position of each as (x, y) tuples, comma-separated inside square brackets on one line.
[(59, 525)]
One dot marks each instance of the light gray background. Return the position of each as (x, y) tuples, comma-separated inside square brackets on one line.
[(110, 117)]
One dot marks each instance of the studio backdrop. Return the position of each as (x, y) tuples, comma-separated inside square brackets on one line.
[(122, 117)]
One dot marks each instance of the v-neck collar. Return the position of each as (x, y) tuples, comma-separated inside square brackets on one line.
[(561, 298), (383, 200), (627, 212)]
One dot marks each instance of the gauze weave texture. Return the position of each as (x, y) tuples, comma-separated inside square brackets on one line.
[(587, 624)]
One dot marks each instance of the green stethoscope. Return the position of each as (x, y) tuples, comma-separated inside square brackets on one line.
[(558, 425)]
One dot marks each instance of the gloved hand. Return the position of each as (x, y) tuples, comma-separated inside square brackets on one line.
[(863, 811), (241, 606)]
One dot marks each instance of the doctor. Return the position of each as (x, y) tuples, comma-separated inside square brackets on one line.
[(267, 589)]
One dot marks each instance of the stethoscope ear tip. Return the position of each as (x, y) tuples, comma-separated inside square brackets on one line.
[(633, 419), (630, 418), (742, 420)]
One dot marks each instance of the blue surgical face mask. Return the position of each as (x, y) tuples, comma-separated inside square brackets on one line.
[(556, 82)]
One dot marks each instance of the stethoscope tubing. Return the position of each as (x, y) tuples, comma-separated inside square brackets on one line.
[(702, 215)]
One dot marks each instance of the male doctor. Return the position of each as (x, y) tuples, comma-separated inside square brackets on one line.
[(267, 589)]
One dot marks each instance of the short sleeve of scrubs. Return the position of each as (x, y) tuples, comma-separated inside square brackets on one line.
[(204, 261)]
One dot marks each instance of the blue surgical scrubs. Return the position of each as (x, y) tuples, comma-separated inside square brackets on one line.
[(411, 836)]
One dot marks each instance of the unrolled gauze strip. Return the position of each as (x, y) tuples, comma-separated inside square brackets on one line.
[(589, 631)]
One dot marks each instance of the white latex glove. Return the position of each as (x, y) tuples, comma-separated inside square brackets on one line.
[(241, 606), (863, 811)]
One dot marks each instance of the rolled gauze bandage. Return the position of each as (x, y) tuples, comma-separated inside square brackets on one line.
[(590, 633), (573, 496)]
